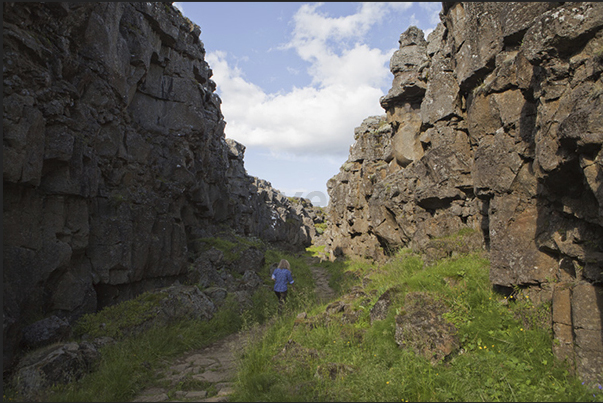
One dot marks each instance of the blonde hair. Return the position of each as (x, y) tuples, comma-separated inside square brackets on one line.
[(283, 264)]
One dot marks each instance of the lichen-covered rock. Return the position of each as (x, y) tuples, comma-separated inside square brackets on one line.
[(588, 327), (46, 331), (261, 210), (380, 310), (251, 280), (181, 302), (216, 294), (55, 364), (422, 328)]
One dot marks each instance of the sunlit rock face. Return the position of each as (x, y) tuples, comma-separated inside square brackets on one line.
[(115, 160), (494, 123)]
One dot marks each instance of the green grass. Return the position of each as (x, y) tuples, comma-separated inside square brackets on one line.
[(227, 247), (114, 321), (341, 274), (504, 355), (320, 227), (231, 244)]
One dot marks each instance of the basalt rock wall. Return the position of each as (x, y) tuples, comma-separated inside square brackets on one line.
[(115, 160), (493, 125)]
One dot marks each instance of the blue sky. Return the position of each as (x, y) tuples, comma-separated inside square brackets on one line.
[(295, 79)]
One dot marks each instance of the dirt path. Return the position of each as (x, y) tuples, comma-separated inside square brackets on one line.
[(206, 375), (324, 293)]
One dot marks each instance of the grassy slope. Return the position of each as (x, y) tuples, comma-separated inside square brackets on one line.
[(506, 351)]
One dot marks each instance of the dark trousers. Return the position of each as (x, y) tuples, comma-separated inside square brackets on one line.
[(282, 297)]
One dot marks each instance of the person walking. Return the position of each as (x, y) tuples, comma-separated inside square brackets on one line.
[(281, 276)]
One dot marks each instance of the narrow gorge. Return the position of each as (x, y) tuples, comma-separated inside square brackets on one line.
[(116, 166)]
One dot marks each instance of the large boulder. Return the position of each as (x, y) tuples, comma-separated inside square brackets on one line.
[(181, 302), (407, 65), (422, 328), (52, 365), (46, 331)]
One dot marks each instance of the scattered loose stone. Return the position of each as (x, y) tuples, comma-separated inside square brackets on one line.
[(213, 367)]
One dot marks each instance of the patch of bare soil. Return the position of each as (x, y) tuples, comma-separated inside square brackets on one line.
[(324, 293)]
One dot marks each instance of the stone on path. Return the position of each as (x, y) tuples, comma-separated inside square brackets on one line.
[(213, 365)]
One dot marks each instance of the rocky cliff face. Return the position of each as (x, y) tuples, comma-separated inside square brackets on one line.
[(115, 159), (494, 124), (262, 211)]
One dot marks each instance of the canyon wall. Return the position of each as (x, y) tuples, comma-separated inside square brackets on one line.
[(115, 160), (493, 126)]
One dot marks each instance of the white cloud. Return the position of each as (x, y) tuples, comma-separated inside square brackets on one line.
[(413, 20), (320, 118), (360, 64), (309, 119), (433, 8), (305, 119), (312, 25), (400, 5), (179, 6), (292, 70)]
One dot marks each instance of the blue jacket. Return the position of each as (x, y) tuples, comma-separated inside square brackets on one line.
[(281, 277)]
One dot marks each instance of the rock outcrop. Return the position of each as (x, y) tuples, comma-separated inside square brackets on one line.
[(423, 329), (115, 160), (262, 211), (493, 125), (59, 363)]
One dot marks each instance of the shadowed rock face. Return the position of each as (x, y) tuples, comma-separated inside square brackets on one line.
[(494, 123), (115, 159)]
